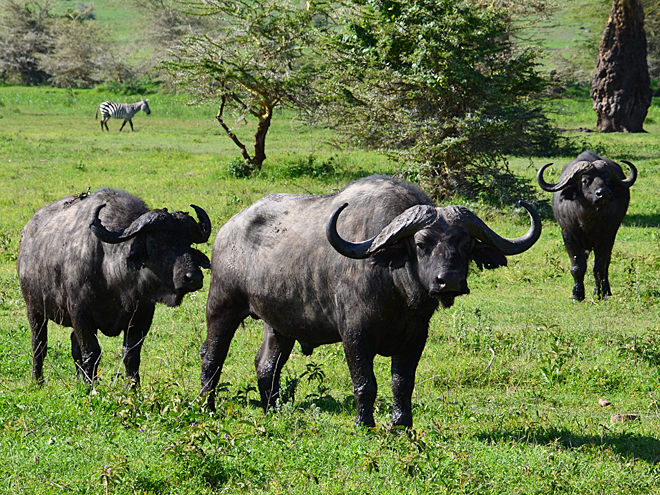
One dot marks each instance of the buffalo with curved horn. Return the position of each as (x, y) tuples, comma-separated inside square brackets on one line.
[(293, 262), (589, 202), (102, 262)]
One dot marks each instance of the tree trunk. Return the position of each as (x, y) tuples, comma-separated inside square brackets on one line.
[(621, 89), (260, 136)]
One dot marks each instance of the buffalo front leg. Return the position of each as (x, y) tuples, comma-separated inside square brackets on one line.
[(269, 361), (39, 330), (134, 337), (578, 268), (221, 326), (360, 360), (86, 353), (602, 257), (404, 366)]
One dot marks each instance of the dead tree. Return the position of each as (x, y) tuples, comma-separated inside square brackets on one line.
[(621, 87)]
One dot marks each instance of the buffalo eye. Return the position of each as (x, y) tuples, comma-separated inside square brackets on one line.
[(585, 181)]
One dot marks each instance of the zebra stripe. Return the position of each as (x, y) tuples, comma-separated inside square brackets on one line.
[(120, 111)]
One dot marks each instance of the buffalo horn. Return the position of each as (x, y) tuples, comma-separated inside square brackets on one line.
[(571, 176), (355, 250), (632, 177), (204, 225), (410, 221), (478, 229), (406, 224), (140, 223)]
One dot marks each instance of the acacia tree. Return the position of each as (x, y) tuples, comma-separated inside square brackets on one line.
[(76, 52), (256, 60), (25, 32), (621, 87), (438, 85)]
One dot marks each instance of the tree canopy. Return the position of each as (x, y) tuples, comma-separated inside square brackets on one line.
[(439, 85), (254, 60)]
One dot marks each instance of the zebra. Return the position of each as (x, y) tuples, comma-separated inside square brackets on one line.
[(120, 111)]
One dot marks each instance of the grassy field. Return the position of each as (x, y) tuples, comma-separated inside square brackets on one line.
[(531, 423)]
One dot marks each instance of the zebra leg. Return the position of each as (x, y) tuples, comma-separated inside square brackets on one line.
[(122, 126), (106, 124), (130, 121)]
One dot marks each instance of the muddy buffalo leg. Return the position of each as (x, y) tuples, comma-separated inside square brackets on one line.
[(133, 339), (271, 358), (404, 366), (360, 358), (39, 329)]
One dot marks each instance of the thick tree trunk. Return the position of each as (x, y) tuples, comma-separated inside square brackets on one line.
[(621, 87)]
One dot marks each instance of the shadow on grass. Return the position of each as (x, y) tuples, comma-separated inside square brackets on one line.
[(326, 403), (627, 444), (645, 220), (329, 404)]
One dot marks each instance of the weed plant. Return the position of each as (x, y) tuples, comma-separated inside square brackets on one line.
[(507, 391)]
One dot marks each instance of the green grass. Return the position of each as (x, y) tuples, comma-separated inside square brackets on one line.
[(530, 424)]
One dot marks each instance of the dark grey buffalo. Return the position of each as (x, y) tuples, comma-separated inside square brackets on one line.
[(590, 201), (275, 261), (102, 262)]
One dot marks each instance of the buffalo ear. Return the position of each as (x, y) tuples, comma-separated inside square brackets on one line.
[(393, 256), (570, 193), (488, 257), (200, 258), (137, 256)]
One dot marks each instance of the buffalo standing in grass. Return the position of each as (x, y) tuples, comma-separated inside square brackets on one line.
[(590, 201), (274, 261), (102, 262)]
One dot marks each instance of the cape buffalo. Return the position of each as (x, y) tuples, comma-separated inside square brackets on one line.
[(102, 262), (274, 261), (589, 202)]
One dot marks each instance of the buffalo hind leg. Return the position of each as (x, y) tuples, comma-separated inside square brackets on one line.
[(602, 258), (39, 330), (133, 339), (404, 366), (360, 359), (269, 361)]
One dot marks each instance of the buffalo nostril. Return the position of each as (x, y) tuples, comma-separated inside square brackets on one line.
[(448, 285), (192, 277)]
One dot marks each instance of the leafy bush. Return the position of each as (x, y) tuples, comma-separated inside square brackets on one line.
[(239, 168), (307, 166)]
